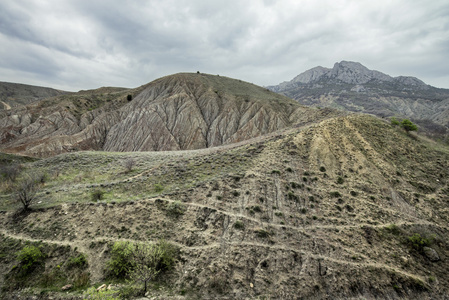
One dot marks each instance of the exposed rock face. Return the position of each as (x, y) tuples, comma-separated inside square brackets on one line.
[(352, 86), (178, 112)]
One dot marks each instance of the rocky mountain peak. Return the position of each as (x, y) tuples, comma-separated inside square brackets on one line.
[(355, 73)]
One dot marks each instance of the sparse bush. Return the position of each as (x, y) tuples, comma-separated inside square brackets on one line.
[(129, 97), (322, 169), (418, 242), (340, 180), (335, 194), (262, 233), (82, 280), (10, 172), (239, 225), (353, 193), (235, 193), (276, 172), (175, 209), (290, 170), (158, 188), (393, 228), (29, 257), (394, 121), (97, 195), (129, 164), (27, 189), (79, 261), (292, 196)]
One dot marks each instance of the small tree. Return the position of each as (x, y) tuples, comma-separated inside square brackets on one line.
[(146, 258), (394, 121), (27, 190), (10, 172), (129, 164), (408, 125)]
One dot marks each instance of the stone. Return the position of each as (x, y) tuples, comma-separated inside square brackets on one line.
[(101, 287), (66, 287), (431, 254)]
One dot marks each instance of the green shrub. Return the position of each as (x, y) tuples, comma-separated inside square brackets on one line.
[(239, 225), (322, 169), (393, 228), (175, 209), (257, 208), (262, 233), (236, 193), (29, 257), (290, 170), (418, 242), (353, 193), (292, 196), (276, 172), (335, 194), (158, 188), (120, 262), (97, 195), (79, 261), (340, 180), (408, 125), (394, 121)]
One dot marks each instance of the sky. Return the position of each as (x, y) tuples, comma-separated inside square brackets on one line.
[(77, 44)]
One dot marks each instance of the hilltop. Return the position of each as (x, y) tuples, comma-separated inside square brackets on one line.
[(347, 207)]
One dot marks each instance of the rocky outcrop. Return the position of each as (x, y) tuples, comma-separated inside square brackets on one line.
[(178, 112)]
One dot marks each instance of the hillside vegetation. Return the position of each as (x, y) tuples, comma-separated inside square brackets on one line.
[(348, 207)]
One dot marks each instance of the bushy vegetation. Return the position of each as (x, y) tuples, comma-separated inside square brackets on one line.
[(141, 262), (29, 257), (79, 261), (97, 195), (418, 242), (175, 209)]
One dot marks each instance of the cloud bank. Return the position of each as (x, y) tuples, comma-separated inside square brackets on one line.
[(79, 44)]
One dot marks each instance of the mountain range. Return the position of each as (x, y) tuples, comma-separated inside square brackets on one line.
[(351, 86)]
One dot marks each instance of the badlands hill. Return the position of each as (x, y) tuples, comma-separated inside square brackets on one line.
[(353, 87), (345, 208), (177, 112)]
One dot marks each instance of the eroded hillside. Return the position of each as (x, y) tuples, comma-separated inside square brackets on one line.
[(177, 112), (331, 210)]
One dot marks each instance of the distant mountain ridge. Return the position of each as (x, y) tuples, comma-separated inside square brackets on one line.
[(353, 87), (17, 94)]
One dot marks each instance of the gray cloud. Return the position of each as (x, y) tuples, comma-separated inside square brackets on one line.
[(87, 44)]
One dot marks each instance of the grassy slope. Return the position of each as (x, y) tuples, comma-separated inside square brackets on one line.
[(283, 191)]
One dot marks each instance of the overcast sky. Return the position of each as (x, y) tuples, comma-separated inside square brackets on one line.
[(79, 44)]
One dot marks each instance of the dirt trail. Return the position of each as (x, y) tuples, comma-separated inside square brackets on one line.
[(6, 105), (92, 254)]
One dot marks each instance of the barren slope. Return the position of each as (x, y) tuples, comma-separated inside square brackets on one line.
[(323, 211), (15, 94)]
